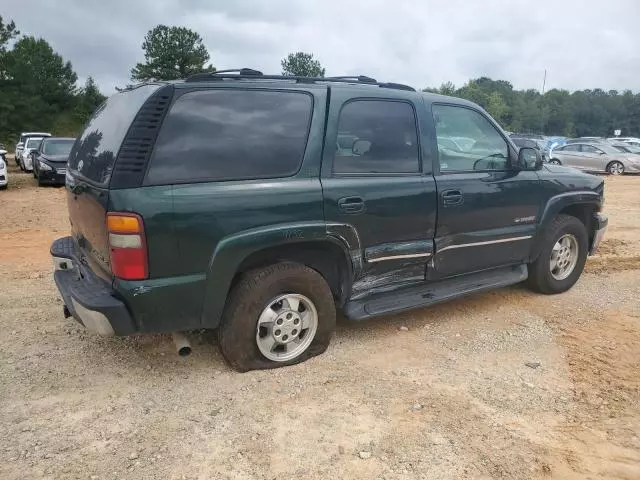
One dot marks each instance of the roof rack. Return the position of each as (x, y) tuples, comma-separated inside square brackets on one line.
[(250, 74)]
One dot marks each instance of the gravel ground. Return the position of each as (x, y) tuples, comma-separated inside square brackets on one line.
[(507, 384)]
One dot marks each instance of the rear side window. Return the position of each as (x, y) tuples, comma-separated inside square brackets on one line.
[(95, 151), (376, 136), (234, 134)]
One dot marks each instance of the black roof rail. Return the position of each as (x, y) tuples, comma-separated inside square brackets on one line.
[(250, 74)]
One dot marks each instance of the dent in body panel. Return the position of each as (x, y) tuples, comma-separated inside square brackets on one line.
[(380, 278), (392, 251), (348, 235)]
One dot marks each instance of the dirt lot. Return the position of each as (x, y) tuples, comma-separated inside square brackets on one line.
[(452, 397)]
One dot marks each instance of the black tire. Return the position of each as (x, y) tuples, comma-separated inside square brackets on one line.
[(540, 277), (252, 294), (555, 161), (615, 168)]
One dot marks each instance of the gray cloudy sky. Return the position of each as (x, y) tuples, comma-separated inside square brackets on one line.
[(582, 43)]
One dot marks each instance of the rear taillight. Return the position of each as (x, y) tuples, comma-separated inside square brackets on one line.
[(127, 246)]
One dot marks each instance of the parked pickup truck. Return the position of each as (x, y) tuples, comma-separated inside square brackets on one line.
[(260, 205)]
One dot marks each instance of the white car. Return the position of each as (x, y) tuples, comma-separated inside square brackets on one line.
[(23, 138), (26, 161), (4, 178)]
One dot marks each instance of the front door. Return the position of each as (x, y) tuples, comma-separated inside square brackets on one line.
[(487, 210), (373, 184)]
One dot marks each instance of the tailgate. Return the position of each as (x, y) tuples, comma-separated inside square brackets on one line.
[(91, 164)]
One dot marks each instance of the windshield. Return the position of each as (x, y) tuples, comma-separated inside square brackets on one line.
[(622, 149), (33, 143), (57, 147)]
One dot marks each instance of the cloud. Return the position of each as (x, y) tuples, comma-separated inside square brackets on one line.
[(420, 42)]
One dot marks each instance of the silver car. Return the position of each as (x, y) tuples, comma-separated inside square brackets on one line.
[(595, 157)]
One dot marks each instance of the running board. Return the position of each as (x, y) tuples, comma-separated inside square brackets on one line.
[(432, 293)]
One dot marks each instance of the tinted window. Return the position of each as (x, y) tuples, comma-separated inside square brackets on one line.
[(489, 150), (590, 149), (231, 134), (569, 148), (94, 152), (57, 147), (385, 138)]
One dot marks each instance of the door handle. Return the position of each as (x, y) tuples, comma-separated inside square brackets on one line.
[(452, 197), (351, 205)]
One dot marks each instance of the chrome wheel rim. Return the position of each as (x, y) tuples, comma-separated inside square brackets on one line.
[(616, 168), (564, 257), (286, 327)]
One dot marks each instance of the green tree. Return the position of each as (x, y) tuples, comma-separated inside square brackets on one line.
[(7, 32), (37, 86), (301, 64), (171, 53)]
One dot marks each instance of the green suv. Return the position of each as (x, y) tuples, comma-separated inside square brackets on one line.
[(260, 205)]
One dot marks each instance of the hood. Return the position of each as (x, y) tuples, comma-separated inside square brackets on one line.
[(561, 170), (571, 178), (55, 158)]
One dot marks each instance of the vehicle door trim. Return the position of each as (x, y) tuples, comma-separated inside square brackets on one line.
[(396, 257), (489, 242)]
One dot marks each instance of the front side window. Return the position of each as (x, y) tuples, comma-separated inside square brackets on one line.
[(33, 143), (489, 150), (226, 134), (376, 137)]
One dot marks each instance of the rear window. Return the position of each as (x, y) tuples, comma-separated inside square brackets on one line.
[(95, 151), (221, 134), (57, 147)]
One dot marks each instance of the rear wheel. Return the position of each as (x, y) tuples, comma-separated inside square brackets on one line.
[(563, 255), (554, 161), (275, 316), (615, 168)]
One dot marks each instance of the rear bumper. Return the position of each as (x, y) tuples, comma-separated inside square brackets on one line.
[(600, 223), (90, 299)]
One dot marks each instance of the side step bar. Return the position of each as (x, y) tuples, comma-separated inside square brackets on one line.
[(432, 293)]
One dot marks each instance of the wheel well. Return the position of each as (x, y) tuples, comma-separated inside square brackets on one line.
[(584, 213), (328, 259)]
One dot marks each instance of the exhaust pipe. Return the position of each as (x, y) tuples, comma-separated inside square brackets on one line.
[(183, 347)]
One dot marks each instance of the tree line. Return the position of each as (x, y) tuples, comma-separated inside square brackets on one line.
[(39, 91), (556, 112)]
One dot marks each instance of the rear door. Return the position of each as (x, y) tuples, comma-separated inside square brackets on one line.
[(571, 156), (487, 210), (377, 185), (91, 163)]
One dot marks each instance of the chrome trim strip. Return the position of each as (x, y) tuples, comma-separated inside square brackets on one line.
[(395, 257), (490, 242)]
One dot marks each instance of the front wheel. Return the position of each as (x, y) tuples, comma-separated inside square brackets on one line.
[(564, 253), (615, 168), (554, 161), (275, 316)]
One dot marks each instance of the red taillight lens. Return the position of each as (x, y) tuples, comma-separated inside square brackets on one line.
[(127, 246)]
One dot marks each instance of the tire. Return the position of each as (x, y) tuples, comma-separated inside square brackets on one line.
[(252, 297), (555, 161), (541, 278), (615, 168)]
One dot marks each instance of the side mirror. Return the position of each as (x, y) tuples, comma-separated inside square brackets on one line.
[(529, 159), (360, 147), (20, 145)]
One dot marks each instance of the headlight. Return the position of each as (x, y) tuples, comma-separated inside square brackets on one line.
[(45, 167), (1, 165)]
